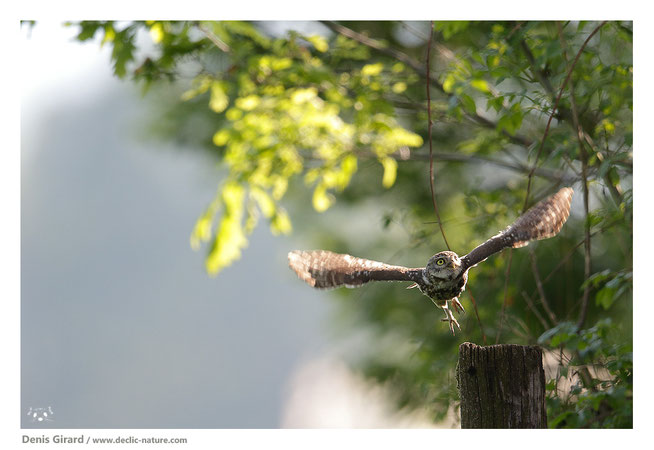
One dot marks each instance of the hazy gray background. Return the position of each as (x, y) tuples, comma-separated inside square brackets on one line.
[(121, 325)]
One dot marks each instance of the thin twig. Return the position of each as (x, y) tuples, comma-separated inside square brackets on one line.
[(474, 305), (543, 172), (380, 47), (515, 29), (213, 38), (406, 155), (506, 295), (521, 332), (539, 286), (533, 308), (538, 73), (542, 78), (431, 152), (614, 190), (567, 160)]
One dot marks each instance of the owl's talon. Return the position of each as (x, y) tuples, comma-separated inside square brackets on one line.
[(452, 321), (458, 307)]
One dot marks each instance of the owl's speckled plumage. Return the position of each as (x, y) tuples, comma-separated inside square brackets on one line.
[(444, 277)]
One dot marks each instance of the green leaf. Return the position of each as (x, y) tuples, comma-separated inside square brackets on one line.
[(390, 171), (157, 32), (449, 83), (560, 419), (605, 297), (109, 35), (348, 168), (480, 85), (219, 99), (202, 229), (87, 30), (497, 103), (123, 51), (399, 87), (281, 223), (238, 30), (248, 103), (264, 201), (201, 84), (468, 103), (505, 124), (558, 335), (492, 61), (230, 238), (511, 121), (370, 70), (516, 119), (451, 27), (221, 137), (319, 43), (321, 199), (563, 339)]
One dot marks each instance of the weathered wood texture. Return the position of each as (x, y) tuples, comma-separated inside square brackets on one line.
[(501, 386)]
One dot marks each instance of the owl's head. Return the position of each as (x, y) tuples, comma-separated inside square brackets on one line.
[(443, 265)]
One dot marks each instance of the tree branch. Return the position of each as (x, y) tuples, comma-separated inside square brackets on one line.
[(474, 305), (551, 174), (213, 38), (533, 309), (506, 295), (539, 286), (538, 73)]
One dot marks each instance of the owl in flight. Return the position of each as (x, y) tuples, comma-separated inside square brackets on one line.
[(445, 276)]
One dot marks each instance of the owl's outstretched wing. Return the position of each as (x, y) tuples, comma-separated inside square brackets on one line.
[(324, 269), (542, 221)]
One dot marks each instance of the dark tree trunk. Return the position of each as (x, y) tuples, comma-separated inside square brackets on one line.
[(501, 386)]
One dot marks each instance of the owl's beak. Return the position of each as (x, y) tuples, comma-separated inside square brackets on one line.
[(452, 265)]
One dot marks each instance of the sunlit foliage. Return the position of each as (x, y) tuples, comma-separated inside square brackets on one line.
[(287, 111)]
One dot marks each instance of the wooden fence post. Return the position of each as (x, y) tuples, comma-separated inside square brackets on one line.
[(501, 386)]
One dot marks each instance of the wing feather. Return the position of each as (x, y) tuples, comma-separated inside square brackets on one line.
[(324, 269), (542, 221)]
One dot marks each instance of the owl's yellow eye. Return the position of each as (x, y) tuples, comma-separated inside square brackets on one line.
[(440, 262)]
